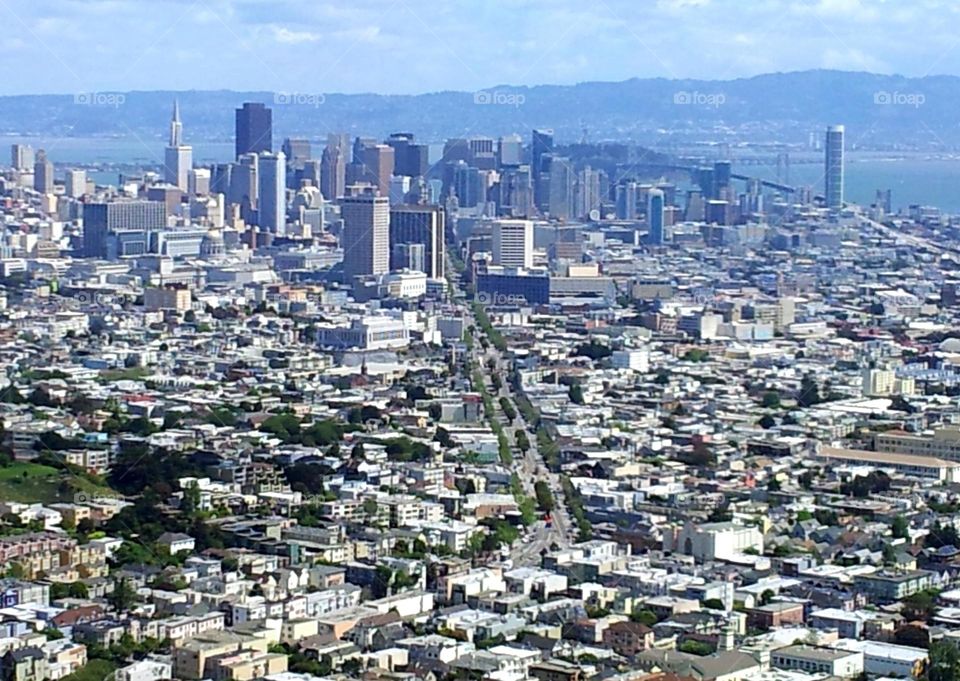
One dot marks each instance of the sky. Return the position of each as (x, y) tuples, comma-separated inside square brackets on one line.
[(416, 46)]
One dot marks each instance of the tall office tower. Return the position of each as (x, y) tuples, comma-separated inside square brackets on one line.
[(541, 145), (722, 172), (366, 232), (833, 170), (588, 192), (655, 211), (373, 164), (198, 181), (510, 151), (21, 156), (560, 198), (410, 159), (119, 228), (244, 185), (309, 173), (43, 173), (76, 183), (513, 243), (516, 192), (626, 198), (272, 193), (254, 129), (220, 175), (483, 153), (467, 185), (177, 157), (297, 151), (333, 172), (420, 225)]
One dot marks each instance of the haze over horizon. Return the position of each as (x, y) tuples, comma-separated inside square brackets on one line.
[(414, 46)]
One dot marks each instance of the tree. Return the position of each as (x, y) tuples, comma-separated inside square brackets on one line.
[(900, 528), (544, 496), (123, 596), (944, 662), (647, 617), (766, 596), (809, 394), (771, 399), (576, 393), (767, 422)]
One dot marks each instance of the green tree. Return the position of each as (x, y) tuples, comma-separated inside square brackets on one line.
[(771, 399), (944, 662), (123, 596), (900, 528), (544, 496)]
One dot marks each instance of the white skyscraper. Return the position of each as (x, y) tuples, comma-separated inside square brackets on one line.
[(76, 183), (366, 232), (177, 157), (513, 243), (272, 203), (833, 170)]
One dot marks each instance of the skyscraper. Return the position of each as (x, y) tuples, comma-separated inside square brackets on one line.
[(410, 158), (76, 183), (541, 145), (333, 172), (21, 156), (373, 164), (177, 157), (272, 189), (510, 150), (513, 243), (655, 209), (833, 170), (254, 129), (560, 198), (422, 225), (366, 232), (244, 184), (43, 174)]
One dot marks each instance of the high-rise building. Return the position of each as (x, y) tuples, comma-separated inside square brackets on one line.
[(271, 194), (21, 156), (198, 181), (366, 232), (245, 185), (560, 198), (43, 173), (76, 183), (220, 175), (120, 228), (177, 157), (655, 211), (588, 193), (627, 196), (410, 158), (515, 196), (333, 169), (297, 151), (833, 170), (513, 243), (373, 164), (510, 150), (419, 225), (467, 185), (541, 145), (254, 129)]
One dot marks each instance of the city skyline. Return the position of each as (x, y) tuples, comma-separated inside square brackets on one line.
[(414, 47)]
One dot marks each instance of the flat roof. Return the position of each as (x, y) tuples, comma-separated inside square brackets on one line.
[(881, 458)]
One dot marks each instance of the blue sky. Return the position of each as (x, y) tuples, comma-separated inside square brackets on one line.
[(412, 46)]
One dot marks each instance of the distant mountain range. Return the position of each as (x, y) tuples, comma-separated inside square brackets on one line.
[(879, 111)]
